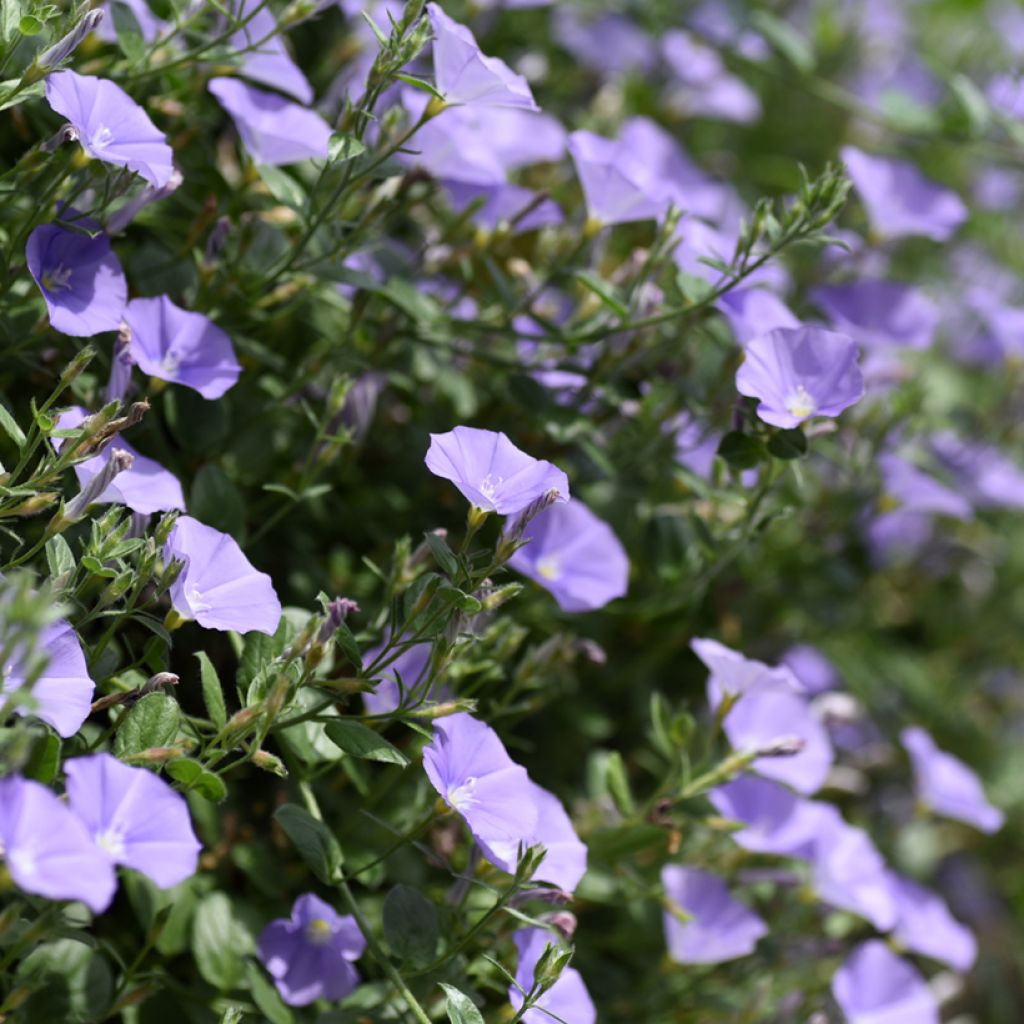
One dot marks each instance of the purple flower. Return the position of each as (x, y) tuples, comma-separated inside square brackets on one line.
[(517, 137), (612, 45), (179, 346), (754, 311), (491, 472), (110, 125), (575, 555), (983, 472), (453, 150), (268, 62), (145, 487), (274, 130), (776, 820), (799, 373), (704, 87), (719, 928), (47, 849), (946, 785), (80, 277), (875, 986), (616, 185), (565, 859), (218, 587), (468, 765), (925, 925), (849, 872), (310, 955), (134, 817), (812, 669), (768, 716), (880, 313), (465, 75), (149, 24), (900, 200), (732, 673), (567, 1000), (62, 693), (916, 491), (410, 666), (511, 206)]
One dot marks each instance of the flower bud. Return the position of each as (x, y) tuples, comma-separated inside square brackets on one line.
[(63, 48), (270, 763), (119, 461)]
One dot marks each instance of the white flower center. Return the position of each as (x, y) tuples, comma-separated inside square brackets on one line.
[(318, 932), (171, 361), (800, 403), (57, 278), (461, 797), (101, 138), (112, 841), (22, 862), (195, 599), (549, 568), (489, 486)]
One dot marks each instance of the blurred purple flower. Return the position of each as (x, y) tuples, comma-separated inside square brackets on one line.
[(611, 45), (981, 471), (916, 491), (575, 555), (469, 767), (180, 346), (1006, 94), (800, 373), (491, 472), (48, 851), (218, 587), (925, 925), (517, 137), (110, 125), (463, 74), (310, 954), (145, 487), (880, 313), (874, 986), (149, 24), (769, 715), (696, 446), (812, 669), (946, 785), (732, 673), (703, 85), (80, 277), (516, 208), (900, 200), (268, 62), (752, 312), (567, 1000), (719, 928), (450, 149), (273, 130), (62, 694), (134, 817), (616, 185)]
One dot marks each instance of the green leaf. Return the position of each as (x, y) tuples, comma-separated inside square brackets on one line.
[(59, 558), (443, 554), (11, 428), (315, 843), (741, 450), (411, 925), (972, 104), (464, 602), (219, 942), (788, 444), (265, 996), (129, 32), (213, 692), (362, 742), (29, 25), (44, 760), (460, 1008), (347, 642), (283, 187), (784, 39), (10, 16), (257, 650), (70, 982), (217, 502), (419, 83), (11, 94), (343, 147), (192, 775), (153, 722), (618, 784)]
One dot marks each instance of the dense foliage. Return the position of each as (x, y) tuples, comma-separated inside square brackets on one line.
[(319, 692)]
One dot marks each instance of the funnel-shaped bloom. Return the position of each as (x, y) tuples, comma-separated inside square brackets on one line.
[(734, 674), (616, 185), (179, 346), (48, 850), (925, 925), (566, 1000), (946, 785), (110, 125), (62, 694), (900, 200), (463, 74), (264, 56), (799, 373), (134, 817), (468, 765), (218, 587), (144, 487), (769, 717), (575, 555), (310, 954), (880, 313), (274, 130), (80, 277), (776, 820), (491, 472), (875, 986), (719, 928)]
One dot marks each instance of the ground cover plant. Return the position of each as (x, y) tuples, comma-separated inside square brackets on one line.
[(511, 512)]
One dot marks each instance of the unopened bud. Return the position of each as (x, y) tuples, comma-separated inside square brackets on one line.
[(270, 763), (123, 216), (163, 531), (446, 708), (160, 755), (513, 536), (497, 596), (66, 133), (63, 48), (337, 611), (119, 461)]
